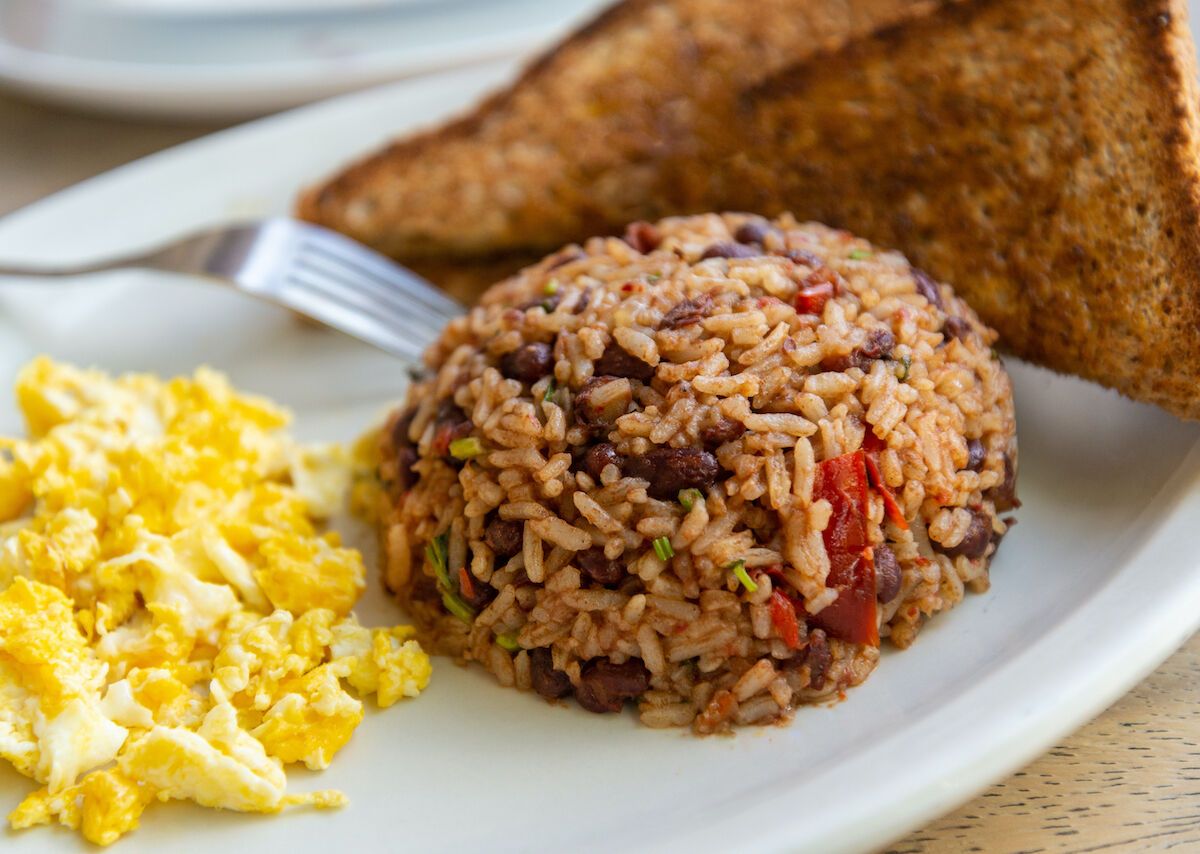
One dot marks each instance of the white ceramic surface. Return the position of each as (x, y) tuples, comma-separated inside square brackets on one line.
[(1095, 586), (227, 59)]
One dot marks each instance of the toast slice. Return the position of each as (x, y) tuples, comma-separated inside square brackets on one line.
[(603, 129), (1042, 157)]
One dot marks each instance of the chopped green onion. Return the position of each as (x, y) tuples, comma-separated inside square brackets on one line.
[(551, 287), (689, 497), (551, 390), (662, 548), (906, 363), (456, 606), (508, 641), (653, 277), (464, 449), (859, 254), (435, 553), (739, 572)]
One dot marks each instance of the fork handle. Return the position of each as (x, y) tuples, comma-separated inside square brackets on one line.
[(204, 253)]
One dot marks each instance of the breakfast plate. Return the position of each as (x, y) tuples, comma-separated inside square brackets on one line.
[(1096, 584)]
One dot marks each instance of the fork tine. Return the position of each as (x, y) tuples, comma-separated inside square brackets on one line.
[(375, 267), (326, 306), (401, 323), (374, 296)]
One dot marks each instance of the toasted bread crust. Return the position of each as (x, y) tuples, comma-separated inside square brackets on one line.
[(1044, 163), (1041, 157), (605, 128)]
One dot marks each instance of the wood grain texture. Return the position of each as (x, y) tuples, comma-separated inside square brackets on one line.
[(1129, 781)]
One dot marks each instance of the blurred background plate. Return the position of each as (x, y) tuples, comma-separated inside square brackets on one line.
[(229, 59)]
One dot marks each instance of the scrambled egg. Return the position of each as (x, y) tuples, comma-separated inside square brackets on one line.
[(172, 623)]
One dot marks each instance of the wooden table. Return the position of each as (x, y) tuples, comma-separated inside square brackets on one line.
[(1128, 781)]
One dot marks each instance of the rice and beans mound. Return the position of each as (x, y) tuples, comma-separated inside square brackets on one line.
[(705, 469)]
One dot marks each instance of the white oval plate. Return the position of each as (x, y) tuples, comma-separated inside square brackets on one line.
[(232, 59), (1094, 587)]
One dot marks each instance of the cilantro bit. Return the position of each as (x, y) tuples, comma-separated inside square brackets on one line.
[(508, 641), (551, 390), (464, 449), (689, 497), (662, 548), (738, 567), (906, 364), (859, 254)]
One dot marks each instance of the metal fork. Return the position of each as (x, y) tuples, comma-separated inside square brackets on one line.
[(311, 270)]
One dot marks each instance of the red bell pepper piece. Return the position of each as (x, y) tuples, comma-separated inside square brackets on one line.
[(812, 299), (842, 481), (890, 506), (783, 616), (872, 444)]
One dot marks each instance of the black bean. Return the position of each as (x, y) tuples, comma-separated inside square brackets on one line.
[(669, 470), (528, 363), (604, 686), (598, 457), (504, 537), (584, 301), (880, 343), (729, 249), (887, 574), (686, 313), (593, 563), (927, 287), (615, 362), (818, 657), (725, 430), (643, 237), (595, 414), (1004, 496), (956, 327), (974, 543), (754, 231), (976, 454), (479, 595), (801, 256), (550, 683)]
